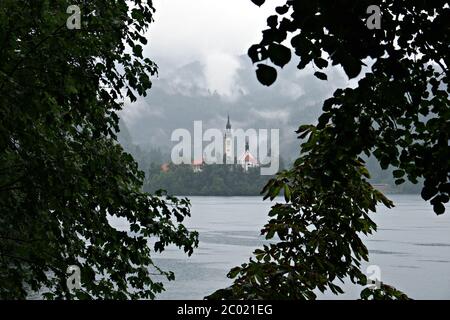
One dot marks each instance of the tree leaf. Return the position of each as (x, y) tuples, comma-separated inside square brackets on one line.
[(439, 208), (279, 54), (259, 3), (282, 10), (321, 63), (320, 75), (352, 67), (266, 75)]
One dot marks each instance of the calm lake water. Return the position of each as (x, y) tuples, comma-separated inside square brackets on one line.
[(411, 247)]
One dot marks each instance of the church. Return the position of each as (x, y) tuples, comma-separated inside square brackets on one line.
[(246, 160)]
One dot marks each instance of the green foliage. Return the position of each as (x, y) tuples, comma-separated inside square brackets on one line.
[(407, 81), (62, 173), (399, 113), (328, 207), (385, 292)]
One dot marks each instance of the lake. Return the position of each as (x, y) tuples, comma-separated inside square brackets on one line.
[(411, 247)]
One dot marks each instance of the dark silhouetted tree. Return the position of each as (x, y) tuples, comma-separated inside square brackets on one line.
[(62, 173)]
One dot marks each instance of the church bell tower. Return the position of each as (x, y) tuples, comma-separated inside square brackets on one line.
[(228, 144)]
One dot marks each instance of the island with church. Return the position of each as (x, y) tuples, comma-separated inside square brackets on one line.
[(236, 175)]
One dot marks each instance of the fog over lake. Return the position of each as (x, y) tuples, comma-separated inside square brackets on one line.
[(411, 247)]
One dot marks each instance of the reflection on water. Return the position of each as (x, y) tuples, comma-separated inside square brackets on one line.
[(412, 247)]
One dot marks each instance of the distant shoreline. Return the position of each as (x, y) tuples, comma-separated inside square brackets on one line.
[(261, 196)]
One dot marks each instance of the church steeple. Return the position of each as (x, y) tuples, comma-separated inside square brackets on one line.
[(228, 127), (228, 144)]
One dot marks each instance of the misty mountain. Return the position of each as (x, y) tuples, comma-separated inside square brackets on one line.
[(198, 92)]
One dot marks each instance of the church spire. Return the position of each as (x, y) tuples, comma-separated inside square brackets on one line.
[(228, 123)]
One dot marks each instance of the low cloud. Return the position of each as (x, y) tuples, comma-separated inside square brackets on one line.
[(220, 71)]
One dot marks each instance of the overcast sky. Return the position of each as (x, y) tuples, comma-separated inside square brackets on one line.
[(209, 31), (215, 33)]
